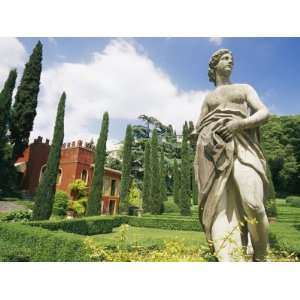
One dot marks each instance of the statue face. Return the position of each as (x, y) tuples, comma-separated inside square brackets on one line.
[(225, 65)]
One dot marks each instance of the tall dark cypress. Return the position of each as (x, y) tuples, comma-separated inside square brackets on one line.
[(95, 195), (185, 192), (24, 107), (155, 182), (176, 182), (162, 177), (46, 190), (126, 170), (147, 179), (7, 172)]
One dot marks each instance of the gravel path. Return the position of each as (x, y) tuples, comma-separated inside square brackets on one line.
[(7, 206)]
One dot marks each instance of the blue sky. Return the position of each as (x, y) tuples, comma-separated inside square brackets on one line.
[(163, 77)]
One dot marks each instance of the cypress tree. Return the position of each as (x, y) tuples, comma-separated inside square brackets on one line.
[(155, 182), (95, 195), (24, 107), (162, 177), (46, 190), (176, 187), (7, 171), (185, 193), (147, 179), (126, 170)]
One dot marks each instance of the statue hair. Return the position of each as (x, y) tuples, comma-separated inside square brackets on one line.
[(214, 60)]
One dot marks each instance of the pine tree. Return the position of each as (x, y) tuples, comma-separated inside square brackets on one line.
[(176, 187), (126, 170), (44, 197), (95, 195), (7, 170), (185, 201), (155, 182), (147, 179), (162, 177), (24, 107)]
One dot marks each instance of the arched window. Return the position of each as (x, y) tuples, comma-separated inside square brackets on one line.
[(59, 177), (84, 175), (43, 169)]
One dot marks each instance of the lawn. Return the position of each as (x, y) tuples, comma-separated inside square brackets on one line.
[(140, 236)]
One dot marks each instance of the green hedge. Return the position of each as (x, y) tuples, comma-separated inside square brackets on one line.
[(285, 237), (84, 226), (293, 201), (20, 242), (167, 223)]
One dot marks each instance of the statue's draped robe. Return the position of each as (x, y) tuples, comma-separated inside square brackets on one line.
[(214, 158)]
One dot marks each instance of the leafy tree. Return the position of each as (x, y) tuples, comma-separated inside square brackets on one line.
[(78, 189), (134, 195), (46, 190), (7, 171), (95, 195), (126, 168), (176, 188), (147, 180), (155, 198), (24, 108), (185, 201)]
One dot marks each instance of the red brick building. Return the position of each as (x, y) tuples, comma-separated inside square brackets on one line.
[(76, 162)]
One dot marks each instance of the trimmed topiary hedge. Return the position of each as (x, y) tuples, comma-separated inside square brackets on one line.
[(83, 226), (167, 223), (293, 201), (20, 242)]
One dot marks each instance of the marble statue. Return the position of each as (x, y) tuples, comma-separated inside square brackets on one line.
[(230, 168)]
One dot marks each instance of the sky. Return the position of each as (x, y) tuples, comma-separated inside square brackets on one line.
[(161, 77)]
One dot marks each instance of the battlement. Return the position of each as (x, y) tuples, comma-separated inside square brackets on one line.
[(79, 143), (39, 140)]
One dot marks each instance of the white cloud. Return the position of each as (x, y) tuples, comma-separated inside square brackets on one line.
[(13, 55), (216, 40), (121, 80)]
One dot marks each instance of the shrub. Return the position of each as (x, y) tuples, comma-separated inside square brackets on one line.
[(293, 201), (84, 226), (23, 243), (18, 216), (60, 203), (78, 189), (167, 223), (271, 208), (76, 207), (171, 207)]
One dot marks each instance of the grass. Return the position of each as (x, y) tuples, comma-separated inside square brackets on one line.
[(140, 236)]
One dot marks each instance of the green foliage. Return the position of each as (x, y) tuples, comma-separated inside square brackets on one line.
[(293, 201), (95, 195), (185, 191), (171, 207), (176, 186), (165, 223), (281, 144), (126, 170), (83, 226), (46, 190), (78, 189), (271, 208), (18, 216), (162, 177), (24, 108), (25, 243), (76, 207), (147, 180), (155, 198), (7, 170), (60, 204), (134, 197)]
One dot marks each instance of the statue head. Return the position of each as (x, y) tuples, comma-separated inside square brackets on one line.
[(214, 61)]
